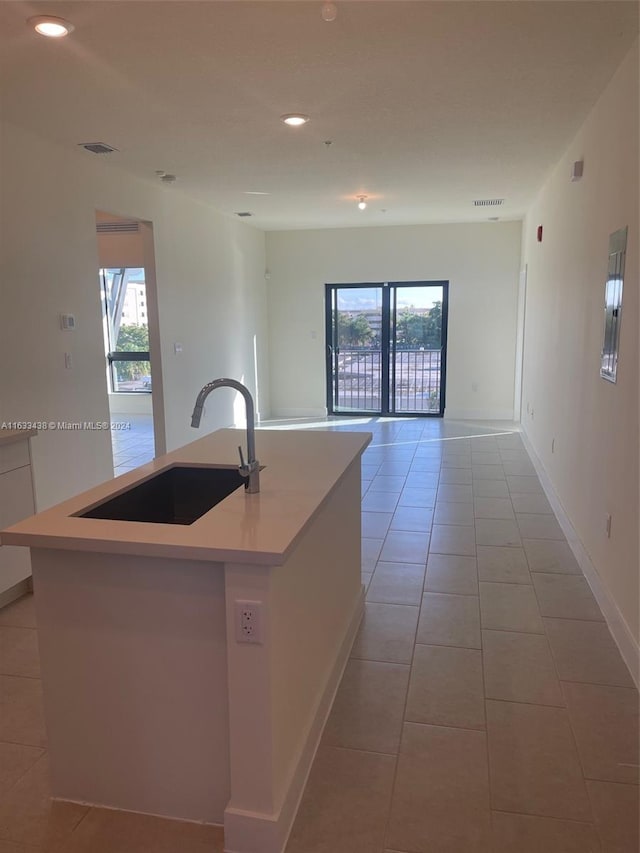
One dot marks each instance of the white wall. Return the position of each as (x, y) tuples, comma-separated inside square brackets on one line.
[(211, 298), (481, 262), (594, 468)]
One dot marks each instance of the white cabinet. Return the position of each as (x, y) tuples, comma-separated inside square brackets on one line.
[(16, 502)]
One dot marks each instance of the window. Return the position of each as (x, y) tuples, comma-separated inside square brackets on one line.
[(613, 305), (126, 331)]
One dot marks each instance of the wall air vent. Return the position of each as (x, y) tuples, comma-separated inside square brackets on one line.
[(488, 202), (244, 213), (97, 147), (122, 227)]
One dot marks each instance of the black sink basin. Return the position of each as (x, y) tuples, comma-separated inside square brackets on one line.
[(178, 495)]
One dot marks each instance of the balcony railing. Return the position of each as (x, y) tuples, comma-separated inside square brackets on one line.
[(414, 384)]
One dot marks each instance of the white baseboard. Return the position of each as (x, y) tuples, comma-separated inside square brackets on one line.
[(15, 592), (620, 631), (478, 414), (249, 832)]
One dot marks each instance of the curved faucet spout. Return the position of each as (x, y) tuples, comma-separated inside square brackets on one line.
[(251, 468)]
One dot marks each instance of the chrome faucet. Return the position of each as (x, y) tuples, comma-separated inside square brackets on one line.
[(251, 468)]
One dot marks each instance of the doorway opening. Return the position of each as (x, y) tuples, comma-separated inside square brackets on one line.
[(127, 292), (387, 348)]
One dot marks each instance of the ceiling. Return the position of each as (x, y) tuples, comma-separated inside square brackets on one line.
[(426, 105)]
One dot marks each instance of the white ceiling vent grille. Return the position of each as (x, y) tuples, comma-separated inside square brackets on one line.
[(97, 147), (117, 227), (488, 202)]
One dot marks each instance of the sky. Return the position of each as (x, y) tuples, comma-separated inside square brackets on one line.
[(367, 298)]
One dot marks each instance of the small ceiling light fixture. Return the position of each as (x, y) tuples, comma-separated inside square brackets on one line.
[(294, 119), (362, 202), (329, 11), (51, 26)]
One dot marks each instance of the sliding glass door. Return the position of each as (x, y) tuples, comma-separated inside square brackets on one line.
[(386, 348)]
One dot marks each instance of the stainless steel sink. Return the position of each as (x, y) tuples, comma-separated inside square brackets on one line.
[(178, 495)]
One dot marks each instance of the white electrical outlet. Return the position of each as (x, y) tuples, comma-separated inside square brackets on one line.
[(248, 621)]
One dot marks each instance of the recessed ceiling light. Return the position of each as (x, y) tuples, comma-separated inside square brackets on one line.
[(294, 119), (329, 12), (255, 192), (51, 26)]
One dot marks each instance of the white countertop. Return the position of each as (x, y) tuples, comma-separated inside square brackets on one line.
[(302, 467), (8, 436)]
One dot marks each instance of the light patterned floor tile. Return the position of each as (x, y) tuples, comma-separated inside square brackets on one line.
[(21, 713), (397, 583), (402, 546), (15, 760), (20, 613), (367, 711), (109, 831), (29, 816), (550, 556), (453, 539), (502, 565), (566, 597), (616, 810), (345, 804), (586, 652), (510, 607), (451, 573), (449, 620), (533, 762), (519, 668), (446, 687), (19, 652), (441, 795), (516, 833), (606, 725), (387, 633)]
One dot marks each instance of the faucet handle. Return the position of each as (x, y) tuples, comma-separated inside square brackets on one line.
[(243, 468)]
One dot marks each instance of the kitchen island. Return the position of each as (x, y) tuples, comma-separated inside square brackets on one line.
[(16, 502), (154, 700)]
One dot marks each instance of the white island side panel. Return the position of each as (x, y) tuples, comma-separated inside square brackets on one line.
[(134, 674)]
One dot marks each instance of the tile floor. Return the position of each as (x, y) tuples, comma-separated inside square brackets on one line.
[(484, 708), (133, 446)]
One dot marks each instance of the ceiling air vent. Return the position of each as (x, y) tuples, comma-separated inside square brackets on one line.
[(97, 147), (123, 227), (244, 213), (488, 202)]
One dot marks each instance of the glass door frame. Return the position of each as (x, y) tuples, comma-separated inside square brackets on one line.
[(388, 345)]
